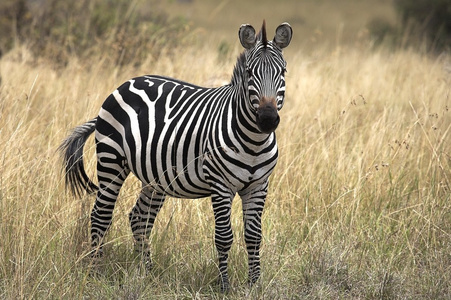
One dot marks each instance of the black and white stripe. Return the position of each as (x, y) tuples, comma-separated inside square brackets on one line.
[(187, 141)]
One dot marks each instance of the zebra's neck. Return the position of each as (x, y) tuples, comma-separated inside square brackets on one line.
[(239, 77)]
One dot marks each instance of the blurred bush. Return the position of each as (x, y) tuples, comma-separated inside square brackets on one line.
[(14, 16), (429, 19), (382, 31), (425, 23), (123, 31)]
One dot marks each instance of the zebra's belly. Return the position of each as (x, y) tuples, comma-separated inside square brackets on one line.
[(181, 184)]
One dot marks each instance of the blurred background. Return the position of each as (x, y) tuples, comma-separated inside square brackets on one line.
[(131, 31)]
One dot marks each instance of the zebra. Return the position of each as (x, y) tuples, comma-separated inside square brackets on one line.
[(187, 141)]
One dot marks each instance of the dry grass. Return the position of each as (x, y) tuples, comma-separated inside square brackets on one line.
[(359, 205)]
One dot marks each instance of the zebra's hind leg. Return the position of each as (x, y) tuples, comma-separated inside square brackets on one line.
[(253, 204), (111, 174), (142, 218)]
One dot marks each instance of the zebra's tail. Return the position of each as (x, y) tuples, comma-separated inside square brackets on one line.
[(72, 151)]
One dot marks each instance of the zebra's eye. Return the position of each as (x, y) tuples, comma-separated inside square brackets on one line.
[(284, 70), (249, 72)]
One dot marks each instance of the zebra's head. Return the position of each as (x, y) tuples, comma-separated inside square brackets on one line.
[(265, 68)]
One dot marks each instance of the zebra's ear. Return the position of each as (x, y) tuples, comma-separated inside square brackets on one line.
[(247, 36), (283, 35)]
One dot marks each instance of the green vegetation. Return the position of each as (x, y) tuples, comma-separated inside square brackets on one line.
[(359, 205)]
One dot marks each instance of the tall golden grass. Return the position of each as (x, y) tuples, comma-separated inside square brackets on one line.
[(359, 204)]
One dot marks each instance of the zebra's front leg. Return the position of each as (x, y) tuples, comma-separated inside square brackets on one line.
[(222, 207), (253, 204), (142, 218)]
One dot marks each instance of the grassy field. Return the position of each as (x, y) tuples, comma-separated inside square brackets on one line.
[(359, 205)]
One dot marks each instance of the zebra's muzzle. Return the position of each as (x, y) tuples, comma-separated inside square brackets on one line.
[(267, 116)]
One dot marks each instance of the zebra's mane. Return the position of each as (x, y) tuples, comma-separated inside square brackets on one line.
[(239, 72), (262, 35)]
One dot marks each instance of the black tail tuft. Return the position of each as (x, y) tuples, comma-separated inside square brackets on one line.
[(72, 151)]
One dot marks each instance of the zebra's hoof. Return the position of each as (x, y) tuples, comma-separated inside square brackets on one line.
[(253, 280), (145, 262), (224, 286), (148, 266), (96, 254)]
